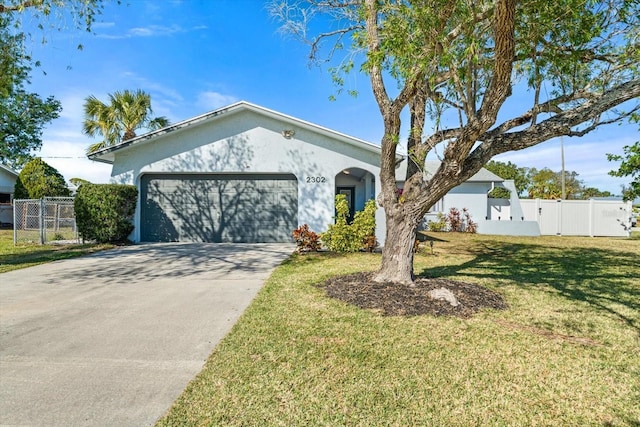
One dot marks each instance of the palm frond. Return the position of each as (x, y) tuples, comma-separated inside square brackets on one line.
[(126, 112)]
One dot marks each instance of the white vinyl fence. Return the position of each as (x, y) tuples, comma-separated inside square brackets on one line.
[(579, 217), (44, 220)]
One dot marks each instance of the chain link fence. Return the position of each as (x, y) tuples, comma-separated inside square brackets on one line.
[(46, 220)]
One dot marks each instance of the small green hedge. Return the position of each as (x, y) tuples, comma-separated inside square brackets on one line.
[(104, 212)]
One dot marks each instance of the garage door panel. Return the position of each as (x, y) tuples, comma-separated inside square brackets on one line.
[(218, 208)]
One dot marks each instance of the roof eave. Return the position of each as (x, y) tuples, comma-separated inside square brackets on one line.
[(101, 155), (9, 170)]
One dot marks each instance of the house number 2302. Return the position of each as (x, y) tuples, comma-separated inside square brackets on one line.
[(316, 179)]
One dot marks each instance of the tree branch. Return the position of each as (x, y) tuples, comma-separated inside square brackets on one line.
[(561, 124), (373, 44), (18, 7)]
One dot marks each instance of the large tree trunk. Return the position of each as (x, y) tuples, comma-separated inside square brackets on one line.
[(397, 254)]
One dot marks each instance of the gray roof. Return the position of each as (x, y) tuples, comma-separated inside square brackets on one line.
[(431, 166)]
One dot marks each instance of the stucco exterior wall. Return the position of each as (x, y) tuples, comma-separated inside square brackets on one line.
[(470, 195), (7, 184), (7, 181), (473, 196), (248, 142)]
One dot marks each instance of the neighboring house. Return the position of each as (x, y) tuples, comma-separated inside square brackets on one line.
[(8, 179), (493, 216), (244, 173)]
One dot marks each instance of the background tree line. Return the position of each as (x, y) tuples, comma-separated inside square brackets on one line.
[(542, 183)]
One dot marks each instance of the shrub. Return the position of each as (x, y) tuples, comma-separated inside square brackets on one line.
[(461, 221), (454, 221), (306, 240), (344, 237), (364, 226), (38, 179), (104, 212), (439, 225), (470, 226), (338, 238)]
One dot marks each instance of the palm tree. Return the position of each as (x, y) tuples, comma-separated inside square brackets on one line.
[(118, 121)]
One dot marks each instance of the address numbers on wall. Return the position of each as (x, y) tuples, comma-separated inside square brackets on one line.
[(316, 179)]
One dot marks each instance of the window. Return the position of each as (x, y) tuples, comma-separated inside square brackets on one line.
[(438, 207)]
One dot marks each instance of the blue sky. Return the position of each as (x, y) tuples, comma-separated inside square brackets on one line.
[(194, 56)]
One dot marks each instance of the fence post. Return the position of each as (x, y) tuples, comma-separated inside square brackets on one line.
[(591, 216), (559, 218), (43, 224), (15, 227)]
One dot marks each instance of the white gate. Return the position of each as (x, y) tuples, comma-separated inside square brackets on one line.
[(579, 217)]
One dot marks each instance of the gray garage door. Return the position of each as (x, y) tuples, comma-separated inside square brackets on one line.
[(219, 208)]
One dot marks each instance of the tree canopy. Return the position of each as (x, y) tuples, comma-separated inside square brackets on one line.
[(126, 112), (541, 183), (508, 171), (457, 63), (629, 166), (23, 114), (38, 179), (82, 12)]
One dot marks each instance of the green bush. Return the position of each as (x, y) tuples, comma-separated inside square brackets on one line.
[(364, 225), (104, 212), (360, 234), (38, 179), (440, 224)]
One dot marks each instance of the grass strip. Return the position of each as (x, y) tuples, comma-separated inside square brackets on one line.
[(13, 257)]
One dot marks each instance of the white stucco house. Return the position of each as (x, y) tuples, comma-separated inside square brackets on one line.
[(8, 179), (244, 173)]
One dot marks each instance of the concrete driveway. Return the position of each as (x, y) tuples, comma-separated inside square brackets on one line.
[(113, 338)]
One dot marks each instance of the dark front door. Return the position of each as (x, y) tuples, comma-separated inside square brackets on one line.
[(350, 193)]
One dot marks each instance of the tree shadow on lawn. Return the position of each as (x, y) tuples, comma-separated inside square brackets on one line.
[(602, 278)]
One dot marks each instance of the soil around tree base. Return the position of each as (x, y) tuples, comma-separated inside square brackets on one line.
[(394, 299)]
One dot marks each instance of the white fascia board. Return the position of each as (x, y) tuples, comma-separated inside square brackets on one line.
[(106, 155)]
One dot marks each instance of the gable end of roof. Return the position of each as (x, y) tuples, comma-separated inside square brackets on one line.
[(106, 154)]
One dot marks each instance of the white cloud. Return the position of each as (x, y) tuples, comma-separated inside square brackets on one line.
[(72, 107), (152, 86), (211, 100), (70, 160), (151, 31), (103, 25), (154, 30)]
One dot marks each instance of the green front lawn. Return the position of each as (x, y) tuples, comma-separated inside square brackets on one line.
[(13, 257), (566, 352)]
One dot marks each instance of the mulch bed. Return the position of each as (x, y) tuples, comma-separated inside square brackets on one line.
[(394, 299)]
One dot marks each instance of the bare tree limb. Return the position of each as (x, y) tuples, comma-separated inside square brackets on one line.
[(562, 123)]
